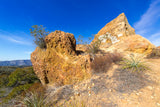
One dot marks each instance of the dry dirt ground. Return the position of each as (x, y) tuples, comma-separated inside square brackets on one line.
[(115, 88)]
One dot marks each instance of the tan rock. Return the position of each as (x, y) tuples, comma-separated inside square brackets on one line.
[(116, 29), (59, 63), (121, 36)]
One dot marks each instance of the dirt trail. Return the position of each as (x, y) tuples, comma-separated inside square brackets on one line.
[(116, 88)]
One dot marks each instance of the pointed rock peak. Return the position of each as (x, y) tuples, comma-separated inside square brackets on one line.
[(122, 15), (117, 26), (116, 30)]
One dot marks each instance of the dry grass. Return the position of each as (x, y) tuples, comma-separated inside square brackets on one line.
[(155, 53), (102, 63), (35, 99)]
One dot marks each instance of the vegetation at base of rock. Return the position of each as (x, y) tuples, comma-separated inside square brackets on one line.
[(102, 63), (39, 33), (155, 53), (35, 99), (134, 63)]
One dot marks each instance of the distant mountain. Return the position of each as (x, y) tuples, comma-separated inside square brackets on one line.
[(16, 63)]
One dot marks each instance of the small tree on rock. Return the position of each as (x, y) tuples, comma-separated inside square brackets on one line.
[(39, 33)]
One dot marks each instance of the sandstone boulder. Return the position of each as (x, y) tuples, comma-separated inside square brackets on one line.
[(59, 63)]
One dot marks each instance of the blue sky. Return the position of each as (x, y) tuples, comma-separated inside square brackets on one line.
[(80, 17)]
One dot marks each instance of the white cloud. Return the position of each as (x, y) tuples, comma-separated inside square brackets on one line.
[(149, 18), (155, 38), (146, 25), (14, 38)]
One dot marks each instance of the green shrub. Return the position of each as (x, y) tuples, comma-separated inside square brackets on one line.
[(34, 99), (3, 80), (39, 33), (94, 47), (134, 63), (22, 76), (7, 69), (155, 52), (17, 91)]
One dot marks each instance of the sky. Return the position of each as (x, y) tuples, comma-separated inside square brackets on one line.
[(80, 17)]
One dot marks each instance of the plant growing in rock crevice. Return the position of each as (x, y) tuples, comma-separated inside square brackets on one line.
[(94, 47), (39, 33)]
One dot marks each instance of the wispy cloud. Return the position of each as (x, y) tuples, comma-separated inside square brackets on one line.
[(149, 18), (14, 38), (155, 39), (148, 21)]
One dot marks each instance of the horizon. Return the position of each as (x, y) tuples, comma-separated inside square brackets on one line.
[(80, 17)]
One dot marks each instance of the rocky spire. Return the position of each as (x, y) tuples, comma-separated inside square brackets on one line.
[(116, 29)]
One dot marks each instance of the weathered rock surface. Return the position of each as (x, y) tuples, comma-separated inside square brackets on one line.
[(59, 63), (133, 43), (119, 34)]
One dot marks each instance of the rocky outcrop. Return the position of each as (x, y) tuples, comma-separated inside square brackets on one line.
[(132, 44), (116, 30), (118, 34), (59, 62)]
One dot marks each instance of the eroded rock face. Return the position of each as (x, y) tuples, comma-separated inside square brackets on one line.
[(59, 63), (118, 34)]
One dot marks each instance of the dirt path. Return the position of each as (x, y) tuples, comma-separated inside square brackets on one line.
[(116, 88)]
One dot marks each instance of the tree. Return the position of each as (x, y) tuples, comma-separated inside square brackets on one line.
[(39, 33)]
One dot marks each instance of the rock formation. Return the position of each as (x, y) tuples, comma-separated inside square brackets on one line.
[(59, 62), (119, 34)]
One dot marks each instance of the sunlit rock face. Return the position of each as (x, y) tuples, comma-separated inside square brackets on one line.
[(116, 29), (59, 62), (114, 33)]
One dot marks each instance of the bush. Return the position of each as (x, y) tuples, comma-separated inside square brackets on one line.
[(102, 63), (3, 80), (39, 33), (94, 47), (16, 91), (22, 76), (155, 52), (134, 63), (35, 99)]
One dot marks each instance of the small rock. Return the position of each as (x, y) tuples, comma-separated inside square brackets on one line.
[(150, 88), (158, 104), (152, 97), (110, 90)]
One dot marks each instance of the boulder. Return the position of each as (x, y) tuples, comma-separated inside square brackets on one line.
[(59, 62)]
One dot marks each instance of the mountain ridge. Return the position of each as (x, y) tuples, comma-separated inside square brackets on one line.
[(16, 63)]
